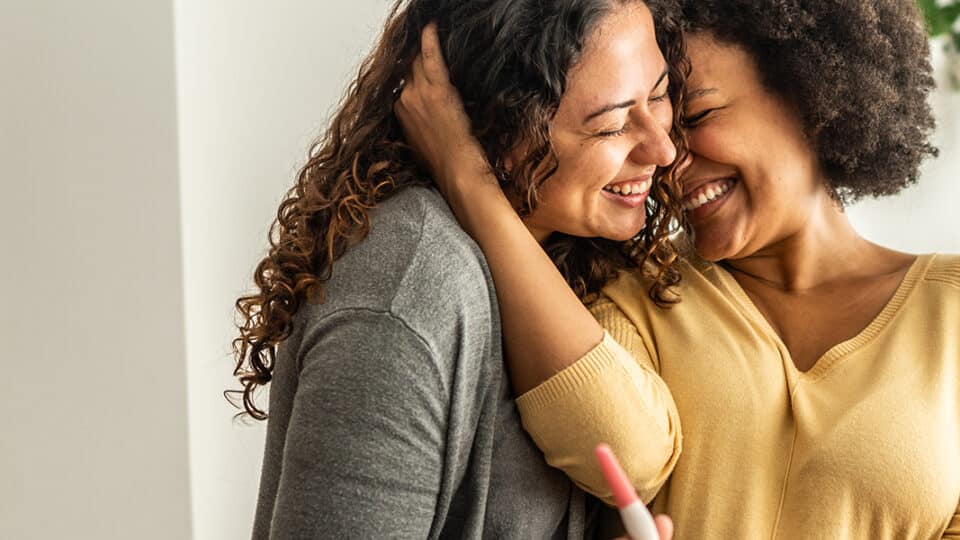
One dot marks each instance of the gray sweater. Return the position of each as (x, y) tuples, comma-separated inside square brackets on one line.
[(391, 414)]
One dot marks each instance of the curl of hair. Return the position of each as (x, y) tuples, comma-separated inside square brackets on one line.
[(509, 59), (857, 72)]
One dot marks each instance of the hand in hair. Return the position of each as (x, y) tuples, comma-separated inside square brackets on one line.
[(434, 122)]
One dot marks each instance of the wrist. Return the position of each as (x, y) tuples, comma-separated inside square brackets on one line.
[(471, 185), (479, 202)]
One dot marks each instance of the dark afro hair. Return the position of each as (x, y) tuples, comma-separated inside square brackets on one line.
[(858, 72)]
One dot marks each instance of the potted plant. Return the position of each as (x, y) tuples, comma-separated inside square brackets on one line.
[(941, 17)]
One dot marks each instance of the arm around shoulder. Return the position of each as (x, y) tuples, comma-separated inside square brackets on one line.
[(614, 395)]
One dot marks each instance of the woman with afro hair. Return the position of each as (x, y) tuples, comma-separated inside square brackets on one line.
[(816, 375)]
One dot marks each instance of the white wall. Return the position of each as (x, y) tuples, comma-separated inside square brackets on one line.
[(92, 377), (256, 81)]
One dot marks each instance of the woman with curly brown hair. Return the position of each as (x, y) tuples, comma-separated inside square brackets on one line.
[(376, 323), (816, 374)]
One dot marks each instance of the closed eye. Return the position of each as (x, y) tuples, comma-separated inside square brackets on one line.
[(613, 133), (661, 97), (694, 119)]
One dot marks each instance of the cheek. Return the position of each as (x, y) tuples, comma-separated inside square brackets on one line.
[(570, 194), (560, 195), (589, 167), (664, 116), (708, 141)]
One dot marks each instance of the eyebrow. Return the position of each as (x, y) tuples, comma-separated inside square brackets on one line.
[(630, 103), (700, 92)]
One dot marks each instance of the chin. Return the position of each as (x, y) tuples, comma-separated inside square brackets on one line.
[(624, 234), (710, 253), (714, 247), (620, 237)]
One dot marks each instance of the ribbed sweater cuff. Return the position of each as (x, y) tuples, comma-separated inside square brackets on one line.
[(572, 378)]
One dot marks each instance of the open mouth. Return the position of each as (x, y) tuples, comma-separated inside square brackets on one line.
[(632, 193), (708, 195), (629, 188)]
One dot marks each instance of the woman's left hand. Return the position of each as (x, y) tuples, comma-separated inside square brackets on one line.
[(431, 112)]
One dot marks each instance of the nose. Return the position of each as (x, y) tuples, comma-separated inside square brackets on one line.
[(653, 145)]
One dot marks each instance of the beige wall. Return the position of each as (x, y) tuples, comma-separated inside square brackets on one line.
[(92, 376)]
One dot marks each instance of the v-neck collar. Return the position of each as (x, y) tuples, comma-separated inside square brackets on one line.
[(823, 364)]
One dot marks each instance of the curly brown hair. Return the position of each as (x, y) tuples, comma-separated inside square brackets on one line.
[(509, 59), (857, 72)]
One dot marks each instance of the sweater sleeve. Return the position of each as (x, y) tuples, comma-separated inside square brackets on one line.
[(364, 446), (612, 395)]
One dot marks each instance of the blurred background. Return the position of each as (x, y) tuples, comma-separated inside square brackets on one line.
[(144, 148)]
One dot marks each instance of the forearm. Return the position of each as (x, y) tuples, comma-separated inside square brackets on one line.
[(546, 327), (607, 397)]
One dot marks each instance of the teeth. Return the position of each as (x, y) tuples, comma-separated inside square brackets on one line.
[(633, 188), (703, 196)]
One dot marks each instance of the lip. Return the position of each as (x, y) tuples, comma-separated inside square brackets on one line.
[(710, 208), (633, 201), (699, 183), (642, 178)]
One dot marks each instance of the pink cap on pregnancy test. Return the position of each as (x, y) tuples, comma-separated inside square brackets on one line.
[(636, 518)]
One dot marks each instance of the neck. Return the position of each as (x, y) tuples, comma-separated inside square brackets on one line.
[(824, 249), (539, 234)]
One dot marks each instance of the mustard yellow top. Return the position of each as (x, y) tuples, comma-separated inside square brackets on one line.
[(865, 445)]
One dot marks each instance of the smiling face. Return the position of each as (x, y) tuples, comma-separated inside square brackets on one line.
[(754, 179), (610, 133)]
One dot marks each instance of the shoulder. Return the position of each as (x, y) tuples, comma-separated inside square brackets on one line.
[(442, 254), (631, 287), (415, 247), (421, 269), (943, 269), (441, 272)]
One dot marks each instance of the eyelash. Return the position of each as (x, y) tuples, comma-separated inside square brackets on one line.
[(661, 97), (692, 121), (621, 131), (615, 133)]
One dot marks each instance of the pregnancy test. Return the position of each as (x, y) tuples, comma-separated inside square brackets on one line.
[(636, 518)]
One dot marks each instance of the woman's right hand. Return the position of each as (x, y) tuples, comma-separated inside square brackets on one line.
[(436, 126)]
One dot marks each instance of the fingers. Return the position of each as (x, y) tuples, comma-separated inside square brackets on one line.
[(428, 98), (428, 68), (434, 66), (417, 74), (664, 527), (411, 90)]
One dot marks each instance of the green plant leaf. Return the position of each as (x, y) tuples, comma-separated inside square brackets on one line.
[(940, 19)]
